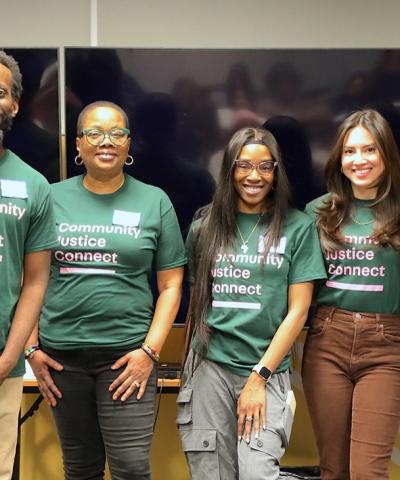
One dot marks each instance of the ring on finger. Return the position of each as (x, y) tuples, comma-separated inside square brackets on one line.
[(136, 384), (249, 419)]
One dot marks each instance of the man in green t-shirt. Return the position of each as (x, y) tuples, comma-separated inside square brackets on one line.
[(27, 232)]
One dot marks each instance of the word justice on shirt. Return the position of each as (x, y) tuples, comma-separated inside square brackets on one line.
[(73, 235), (360, 253), (232, 273)]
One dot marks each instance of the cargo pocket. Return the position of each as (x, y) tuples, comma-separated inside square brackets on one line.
[(287, 423), (262, 459), (200, 447), (270, 443), (184, 402)]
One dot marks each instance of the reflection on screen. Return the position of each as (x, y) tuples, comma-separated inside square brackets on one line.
[(35, 134)]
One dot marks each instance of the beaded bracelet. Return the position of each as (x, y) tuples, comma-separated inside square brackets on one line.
[(28, 352), (153, 354)]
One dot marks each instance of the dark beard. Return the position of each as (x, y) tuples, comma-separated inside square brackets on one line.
[(6, 120)]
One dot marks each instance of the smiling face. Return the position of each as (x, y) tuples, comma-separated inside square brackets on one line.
[(253, 188), (105, 160), (362, 163)]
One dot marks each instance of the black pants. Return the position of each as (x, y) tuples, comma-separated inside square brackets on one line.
[(92, 426)]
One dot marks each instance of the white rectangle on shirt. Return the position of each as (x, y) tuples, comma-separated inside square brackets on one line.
[(280, 248), (359, 287), (86, 271), (242, 305), (13, 188), (128, 219)]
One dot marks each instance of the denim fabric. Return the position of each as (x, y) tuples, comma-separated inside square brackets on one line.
[(92, 426)]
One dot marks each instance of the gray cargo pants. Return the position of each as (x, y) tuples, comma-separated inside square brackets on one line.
[(207, 423)]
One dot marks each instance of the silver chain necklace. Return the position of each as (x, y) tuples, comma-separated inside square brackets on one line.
[(360, 223), (244, 247)]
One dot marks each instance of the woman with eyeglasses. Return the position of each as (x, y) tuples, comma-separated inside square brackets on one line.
[(99, 335), (351, 363), (252, 260)]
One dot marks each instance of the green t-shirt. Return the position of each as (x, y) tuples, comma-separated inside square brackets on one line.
[(249, 299), (362, 276), (26, 225), (99, 291)]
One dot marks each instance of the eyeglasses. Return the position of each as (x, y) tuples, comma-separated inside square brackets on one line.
[(263, 168), (95, 136)]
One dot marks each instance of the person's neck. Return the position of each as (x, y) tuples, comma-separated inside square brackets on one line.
[(365, 193), (103, 185)]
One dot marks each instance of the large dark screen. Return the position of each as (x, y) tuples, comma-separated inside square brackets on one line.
[(35, 133), (185, 104)]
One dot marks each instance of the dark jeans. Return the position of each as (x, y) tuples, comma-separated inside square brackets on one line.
[(91, 426), (351, 379)]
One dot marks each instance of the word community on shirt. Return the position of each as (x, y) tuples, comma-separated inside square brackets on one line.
[(270, 259), (12, 209)]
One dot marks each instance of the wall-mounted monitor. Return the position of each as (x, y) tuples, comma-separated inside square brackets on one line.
[(35, 134), (185, 104)]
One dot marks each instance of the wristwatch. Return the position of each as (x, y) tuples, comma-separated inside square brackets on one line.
[(263, 371)]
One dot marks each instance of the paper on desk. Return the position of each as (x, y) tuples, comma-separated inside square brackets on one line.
[(29, 375)]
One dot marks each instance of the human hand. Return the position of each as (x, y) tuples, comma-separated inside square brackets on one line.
[(41, 364), (135, 375), (252, 407)]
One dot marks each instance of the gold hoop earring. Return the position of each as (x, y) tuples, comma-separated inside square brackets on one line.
[(129, 160), (77, 161)]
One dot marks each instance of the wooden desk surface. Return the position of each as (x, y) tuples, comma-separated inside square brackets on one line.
[(31, 384)]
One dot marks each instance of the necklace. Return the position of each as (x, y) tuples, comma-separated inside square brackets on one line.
[(244, 246), (360, 223)]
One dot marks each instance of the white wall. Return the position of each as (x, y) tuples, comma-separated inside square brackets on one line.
[(201, 23)]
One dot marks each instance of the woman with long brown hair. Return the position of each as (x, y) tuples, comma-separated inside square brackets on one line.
[(351, 364), (252, 263)]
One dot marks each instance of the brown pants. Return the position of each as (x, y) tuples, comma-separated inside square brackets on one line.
[(351, 379)]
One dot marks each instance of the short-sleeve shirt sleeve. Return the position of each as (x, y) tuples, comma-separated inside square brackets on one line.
[(307, 261), (42, 227), (170, 248)]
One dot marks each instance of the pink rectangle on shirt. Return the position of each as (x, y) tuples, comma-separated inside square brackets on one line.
[(86, 271), (354, 286)]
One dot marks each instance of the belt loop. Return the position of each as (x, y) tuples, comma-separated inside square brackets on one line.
[(378, 318), (331, 313)]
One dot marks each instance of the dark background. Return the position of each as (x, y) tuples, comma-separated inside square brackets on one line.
[(184, 105), (35, 134)]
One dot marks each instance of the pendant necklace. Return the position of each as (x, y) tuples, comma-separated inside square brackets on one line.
[(244, 247)]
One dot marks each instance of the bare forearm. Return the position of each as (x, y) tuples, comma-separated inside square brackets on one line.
[(299, 300), (164, 315), (25, 317), (33, 338), (283, 340)]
